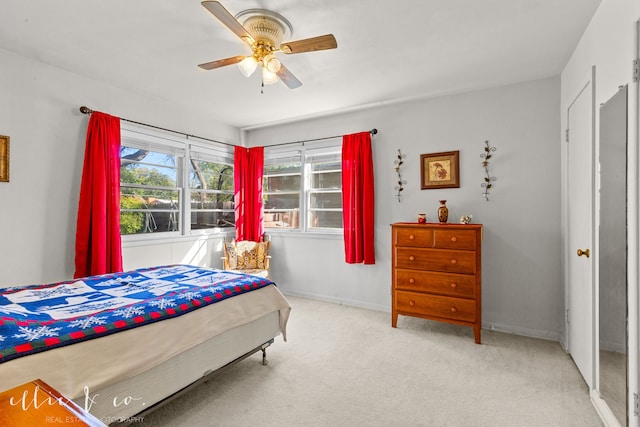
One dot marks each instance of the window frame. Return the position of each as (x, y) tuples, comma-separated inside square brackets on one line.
[(329, 147), (213, 154), (286, 155), (183, 147)]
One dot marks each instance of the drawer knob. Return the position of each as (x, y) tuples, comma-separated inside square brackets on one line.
[(454, 285), (411, 237), (454, 238), (412, 281), (412, 258), (453, 261), (412, 303), (453, 309)]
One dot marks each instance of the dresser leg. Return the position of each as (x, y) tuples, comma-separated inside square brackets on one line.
[(394, 319), (476, 333)]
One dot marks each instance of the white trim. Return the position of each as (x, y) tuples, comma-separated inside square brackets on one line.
[(633, 238), (296, 233), (525, 332), (607, 417), (143, 136), (342, 301), (174, 238)]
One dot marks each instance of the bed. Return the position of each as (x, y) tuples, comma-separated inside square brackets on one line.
[(120, 344)]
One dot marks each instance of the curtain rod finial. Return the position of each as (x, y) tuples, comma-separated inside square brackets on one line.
[(374, 131), (85, 110)]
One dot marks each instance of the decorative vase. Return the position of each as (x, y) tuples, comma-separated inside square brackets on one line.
[(422, 218), (443, 212)]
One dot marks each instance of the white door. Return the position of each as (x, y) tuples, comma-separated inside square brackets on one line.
[(580, 230)]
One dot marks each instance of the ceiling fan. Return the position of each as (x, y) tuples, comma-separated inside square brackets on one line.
[(264, 32)]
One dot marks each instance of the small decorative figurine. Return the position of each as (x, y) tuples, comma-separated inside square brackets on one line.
[(422, 218), (466, 219)]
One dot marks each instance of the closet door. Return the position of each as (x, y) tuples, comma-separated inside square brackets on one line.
[(580, 315), (612, 255)]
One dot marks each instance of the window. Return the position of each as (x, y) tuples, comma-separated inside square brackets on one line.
[(149, 192), (211, 190), (302, 187), (173, 185), (282, 180), (324, 189)]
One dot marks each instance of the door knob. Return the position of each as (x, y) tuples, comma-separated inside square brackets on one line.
[(585, 252)]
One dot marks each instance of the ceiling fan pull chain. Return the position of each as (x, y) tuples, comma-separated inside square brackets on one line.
[(262, 88)]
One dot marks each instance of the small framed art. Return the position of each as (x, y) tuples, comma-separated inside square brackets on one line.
[(440, 170), (4, 158)]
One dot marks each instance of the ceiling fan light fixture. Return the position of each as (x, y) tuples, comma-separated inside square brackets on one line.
[(268, 78), (264, 32), (248, 65), (272, 63)]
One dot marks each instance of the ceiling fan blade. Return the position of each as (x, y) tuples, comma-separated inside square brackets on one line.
[(229, 20), (328, 41), (288, 78), (221, 63)]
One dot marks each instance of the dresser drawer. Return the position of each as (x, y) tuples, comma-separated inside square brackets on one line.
[(447, 261), (458, 285), (413, 237), (437, 306), (454, 239)]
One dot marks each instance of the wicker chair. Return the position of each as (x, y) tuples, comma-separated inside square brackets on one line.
[(247, 257)]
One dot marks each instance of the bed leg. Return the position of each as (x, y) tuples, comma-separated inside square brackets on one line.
[(263, 347)]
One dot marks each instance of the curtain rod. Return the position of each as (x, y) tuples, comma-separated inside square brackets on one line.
[(87, 110), (372, 132)]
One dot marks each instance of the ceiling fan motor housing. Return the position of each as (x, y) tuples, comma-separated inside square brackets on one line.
[(264, 25)]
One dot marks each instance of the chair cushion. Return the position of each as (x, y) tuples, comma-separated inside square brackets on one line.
[(250, 255)]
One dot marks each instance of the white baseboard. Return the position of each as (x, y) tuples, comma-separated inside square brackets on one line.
[(603, 410), (532, 333), (341, 301), (526, 332)]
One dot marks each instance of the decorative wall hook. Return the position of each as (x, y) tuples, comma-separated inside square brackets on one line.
[(488, 179), (400, 187)]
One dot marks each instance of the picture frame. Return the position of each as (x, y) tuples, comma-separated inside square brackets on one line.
[(440, 170), (4, 158)]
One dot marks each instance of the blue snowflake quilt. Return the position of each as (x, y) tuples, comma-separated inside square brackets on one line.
[(40, 317)]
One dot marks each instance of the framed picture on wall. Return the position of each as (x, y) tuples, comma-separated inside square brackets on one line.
[(4, 158), (440, 170)]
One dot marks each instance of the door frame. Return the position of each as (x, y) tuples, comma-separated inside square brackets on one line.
[(633, 239)]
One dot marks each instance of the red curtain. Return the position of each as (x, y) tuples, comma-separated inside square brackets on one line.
[(98, 244), (247, 181), (357, 198)]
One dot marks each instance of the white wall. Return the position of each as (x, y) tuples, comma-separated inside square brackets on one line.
[(610, 43), (39, 111), (522, 279)]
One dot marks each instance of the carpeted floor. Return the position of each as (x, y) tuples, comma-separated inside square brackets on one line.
[(346, 366)]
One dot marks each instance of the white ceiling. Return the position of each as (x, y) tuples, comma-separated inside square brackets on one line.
[(387, 50)]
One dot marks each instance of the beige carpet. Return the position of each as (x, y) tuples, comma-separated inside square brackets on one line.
[(345, 366)]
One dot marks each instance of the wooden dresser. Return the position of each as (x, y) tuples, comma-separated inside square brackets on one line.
[(436, 273)]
